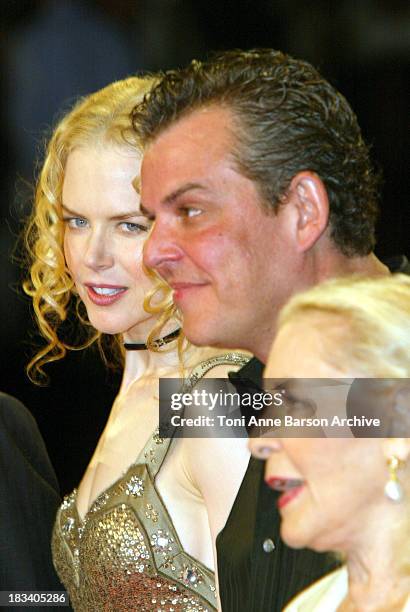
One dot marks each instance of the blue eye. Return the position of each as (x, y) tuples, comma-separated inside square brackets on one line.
[(75, 222), (133, 228)]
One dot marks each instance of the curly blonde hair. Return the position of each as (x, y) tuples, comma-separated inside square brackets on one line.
[(102, 117)]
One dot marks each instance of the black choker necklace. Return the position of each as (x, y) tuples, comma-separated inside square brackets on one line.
[(141, 346)]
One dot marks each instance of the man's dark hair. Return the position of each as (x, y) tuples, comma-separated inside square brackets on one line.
[(287, 119)]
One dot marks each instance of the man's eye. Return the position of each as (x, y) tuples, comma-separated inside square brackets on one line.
[(189, 211), (133, 228), (75, 222)]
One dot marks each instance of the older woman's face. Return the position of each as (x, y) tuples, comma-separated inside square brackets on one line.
[(104, 236), (328, 486)]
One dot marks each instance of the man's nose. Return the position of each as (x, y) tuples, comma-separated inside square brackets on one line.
[(98, 255), (161, 248)]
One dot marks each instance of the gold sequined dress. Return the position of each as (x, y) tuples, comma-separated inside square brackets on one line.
[(126, 555)]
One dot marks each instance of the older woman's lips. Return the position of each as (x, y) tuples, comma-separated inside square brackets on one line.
[(291, 488)]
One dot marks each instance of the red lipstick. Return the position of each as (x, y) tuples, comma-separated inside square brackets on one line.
[(291, 488), (285, 498)]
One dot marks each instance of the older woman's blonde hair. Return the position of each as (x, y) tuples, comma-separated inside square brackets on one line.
[(374, 318), (100, 118)]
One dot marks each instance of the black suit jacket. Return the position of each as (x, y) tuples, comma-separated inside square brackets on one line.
[(29, 500)]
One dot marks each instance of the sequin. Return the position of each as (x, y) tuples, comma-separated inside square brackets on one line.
[(161, 542), (151, 513), (68, 525), (99, 502), (134, 487), (156, 437), (191, 575)]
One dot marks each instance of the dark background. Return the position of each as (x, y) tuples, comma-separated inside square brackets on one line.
[(52, 51)]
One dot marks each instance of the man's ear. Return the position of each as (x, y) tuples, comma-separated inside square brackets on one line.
[(308, 197)]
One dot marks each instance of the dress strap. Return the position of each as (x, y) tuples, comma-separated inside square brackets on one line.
[(156, 449), (199, 371)]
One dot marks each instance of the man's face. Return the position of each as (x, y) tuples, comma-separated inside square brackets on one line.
[(225, 257)]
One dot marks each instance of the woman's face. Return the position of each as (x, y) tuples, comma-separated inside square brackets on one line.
[(103, 240), (327, 485)]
